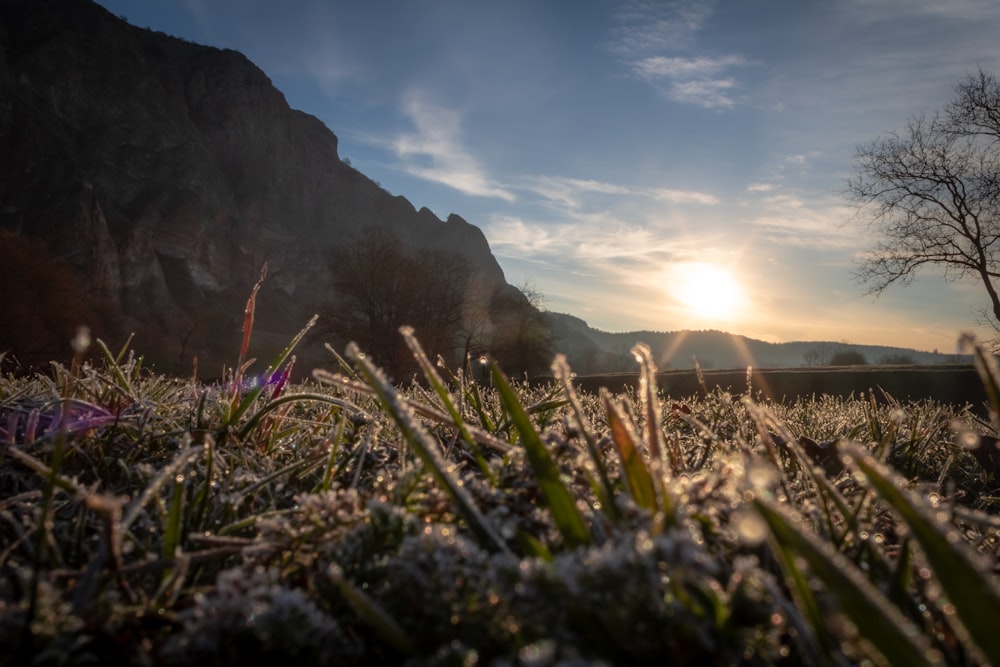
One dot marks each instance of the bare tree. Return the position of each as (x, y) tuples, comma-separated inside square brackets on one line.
[(817, 355), (522, 341), (931, 195), (379, 285)]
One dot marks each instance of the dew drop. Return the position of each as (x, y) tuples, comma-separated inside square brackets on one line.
[(750, 527), (761, 475), (81, 341), (968, 439)]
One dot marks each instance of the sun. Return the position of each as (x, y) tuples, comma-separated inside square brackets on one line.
[(706, 290)]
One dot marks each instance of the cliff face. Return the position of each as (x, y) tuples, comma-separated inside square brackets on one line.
[(165, 173)]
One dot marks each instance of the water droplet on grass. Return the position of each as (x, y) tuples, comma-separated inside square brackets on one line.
[(750, 527), (761, 475), (968, 439)]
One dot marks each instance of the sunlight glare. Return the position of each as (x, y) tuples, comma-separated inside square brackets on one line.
[(707, 290)]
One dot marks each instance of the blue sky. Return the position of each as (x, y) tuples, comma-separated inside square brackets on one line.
[(634, 161)]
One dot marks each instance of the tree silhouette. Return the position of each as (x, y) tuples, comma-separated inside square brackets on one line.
[(931, 195), (522, 341), (847, 357), (379, 285)]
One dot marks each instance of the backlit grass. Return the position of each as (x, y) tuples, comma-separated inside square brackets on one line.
[(155, 520)]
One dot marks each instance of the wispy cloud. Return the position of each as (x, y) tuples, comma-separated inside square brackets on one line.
[(787, 220), (618, 251), (569, 192), (648, 31), (650, 26), (435, 151), (575, 193), (891, 9), (685, 68), (683, 196)]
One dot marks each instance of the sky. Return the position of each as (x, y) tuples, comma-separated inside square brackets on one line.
[(643, 165)]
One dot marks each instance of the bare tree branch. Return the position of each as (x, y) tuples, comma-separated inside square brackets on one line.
[(931, 195)]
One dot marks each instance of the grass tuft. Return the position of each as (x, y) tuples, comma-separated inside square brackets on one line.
[(161, 521)]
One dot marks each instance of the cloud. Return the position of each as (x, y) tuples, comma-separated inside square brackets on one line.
[(572, 192), (655, 67), (683, 196), (649, 30), (656, 26), (760, 187), (969, 10), (787, 220), (569, 192), (691, 80), (435, 152), (597, 245)]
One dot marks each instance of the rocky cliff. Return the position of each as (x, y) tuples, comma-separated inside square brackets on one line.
[(159, 175)]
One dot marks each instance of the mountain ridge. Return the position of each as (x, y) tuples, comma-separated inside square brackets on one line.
[(162, 175), (593, 351)]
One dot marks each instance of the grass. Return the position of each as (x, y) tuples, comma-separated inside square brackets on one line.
[(158, 521)]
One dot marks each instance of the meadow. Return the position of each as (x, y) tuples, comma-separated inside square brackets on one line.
[(149, 520)]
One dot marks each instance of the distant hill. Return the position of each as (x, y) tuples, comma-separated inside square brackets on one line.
[(590, 350)]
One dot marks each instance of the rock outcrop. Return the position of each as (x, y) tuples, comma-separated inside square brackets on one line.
[(164, 174)]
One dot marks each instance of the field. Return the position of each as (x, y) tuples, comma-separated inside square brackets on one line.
[(147, 520), (954, 384)]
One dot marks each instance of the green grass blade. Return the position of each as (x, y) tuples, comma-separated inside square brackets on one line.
[(113, 363), (606, 490), (252, 422), (660, 461), (967, 582), (442, 392), (331, 458), (483, 437), (174, 519), (638, 480), (426, 448), (650, 404), (204, 493), (898, 640), (475, 398), (818, 646), (169, 472), (560, 501), (371, 613)]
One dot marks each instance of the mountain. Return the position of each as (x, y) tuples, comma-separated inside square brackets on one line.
[(145, 180), (591, 351)]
